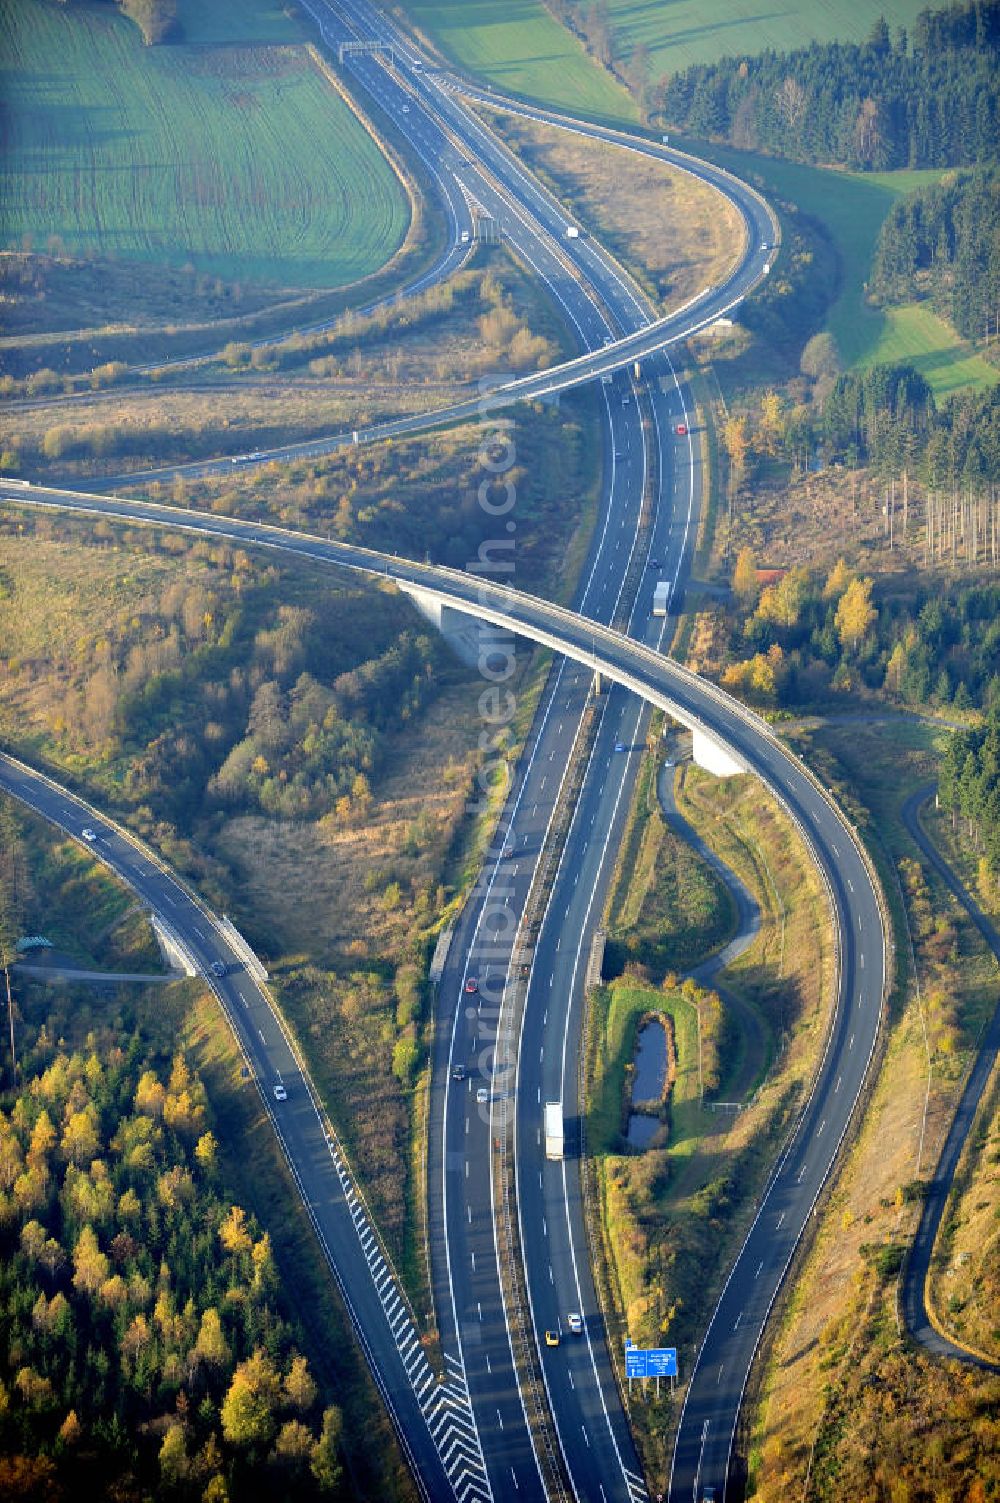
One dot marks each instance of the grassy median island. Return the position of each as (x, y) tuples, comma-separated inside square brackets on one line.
[(234, 153), (675, 233), (669, 1218)]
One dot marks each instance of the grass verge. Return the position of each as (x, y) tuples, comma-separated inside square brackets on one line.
[(675, 233), (845, 1400), (669, 1218)]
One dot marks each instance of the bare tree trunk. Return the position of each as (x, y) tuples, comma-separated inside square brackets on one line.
[(10, 1022)]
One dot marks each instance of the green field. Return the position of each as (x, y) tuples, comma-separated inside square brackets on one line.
[(914, 335), (520, 47), (851, 206), (241, 160), (689, 31)]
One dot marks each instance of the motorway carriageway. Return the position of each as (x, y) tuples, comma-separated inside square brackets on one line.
[(715, 1388), (461, 153)]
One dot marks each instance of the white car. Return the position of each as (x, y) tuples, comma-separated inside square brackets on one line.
[(482, 1095), (572, 233), (90, 835), (280, 1094), (574, 1322)]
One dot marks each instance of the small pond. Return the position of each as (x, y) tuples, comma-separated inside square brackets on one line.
[(648, 1081)]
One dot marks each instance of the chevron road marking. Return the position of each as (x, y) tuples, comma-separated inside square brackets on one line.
[(444, 1406)]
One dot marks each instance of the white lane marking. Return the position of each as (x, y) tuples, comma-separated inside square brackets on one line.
[(760, 1265), (244, 1000), (850, 884), (862, 962), (781, 1219), (261, 1037), (821, 1127), (736, 1323), (850, 1043), (837, 1086), (719, 1378), (500, 1419)]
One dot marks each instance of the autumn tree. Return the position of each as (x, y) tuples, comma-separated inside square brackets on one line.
[(745, 582), (248, 1410), (771, 429), (855, 613), (325, 1461)]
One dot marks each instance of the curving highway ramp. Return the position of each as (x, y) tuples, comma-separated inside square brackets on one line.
[(715, 1387)]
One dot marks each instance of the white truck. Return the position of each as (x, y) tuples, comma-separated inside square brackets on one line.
[(661, 598), (553, 1130)]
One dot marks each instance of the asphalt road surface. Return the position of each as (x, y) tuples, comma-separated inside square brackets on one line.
[(613, 325), (432, 1419), (704, 1444), (915, 1273)]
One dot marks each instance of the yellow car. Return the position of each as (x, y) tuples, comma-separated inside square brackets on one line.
[(551, 1338)]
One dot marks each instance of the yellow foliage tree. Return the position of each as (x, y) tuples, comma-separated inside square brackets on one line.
[(855, 613), (837, 580), (745, 582), (233, 1233), (772, 422)]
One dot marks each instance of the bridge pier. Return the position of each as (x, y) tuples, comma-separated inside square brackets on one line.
[(714, 756), (474, 642)]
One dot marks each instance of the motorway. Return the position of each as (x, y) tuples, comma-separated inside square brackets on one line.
[(488, 1447), (716, 1385), (470, 166), (432, 1420)]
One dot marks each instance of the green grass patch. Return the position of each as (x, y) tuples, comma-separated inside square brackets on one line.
[(78, 905), (914, 335), (670, 910), (240, 159), (687, 31), (521, 48), (618, 1011), (851, 207)]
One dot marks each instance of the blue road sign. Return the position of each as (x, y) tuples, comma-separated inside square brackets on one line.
[(635, 1362), (661, 1362)]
